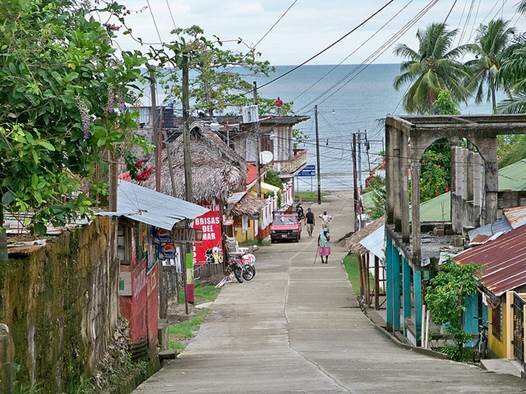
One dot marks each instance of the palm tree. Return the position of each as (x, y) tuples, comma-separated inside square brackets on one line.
[(433, 68), (490, 49)]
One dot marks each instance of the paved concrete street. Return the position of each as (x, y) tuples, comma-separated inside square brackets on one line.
[(294, 328)]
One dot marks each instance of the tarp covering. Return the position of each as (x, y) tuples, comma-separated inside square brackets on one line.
[(374, 242)]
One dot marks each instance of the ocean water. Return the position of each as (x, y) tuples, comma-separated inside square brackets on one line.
[(358, 107)]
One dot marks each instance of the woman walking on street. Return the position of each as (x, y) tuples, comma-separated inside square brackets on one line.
[(324, 246)]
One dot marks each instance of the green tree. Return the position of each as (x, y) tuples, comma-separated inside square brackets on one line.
[(434, 67), (217, 81), (63, 96), (445, 297), (490, 49)]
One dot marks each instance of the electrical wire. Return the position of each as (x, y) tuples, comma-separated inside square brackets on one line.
[(466, 22), (154, 21), (326, 48), (354, 51), (274, 25), (450, 11), (371, 58), (171, 14)]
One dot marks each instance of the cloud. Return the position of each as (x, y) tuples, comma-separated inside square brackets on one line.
[(308, 27)]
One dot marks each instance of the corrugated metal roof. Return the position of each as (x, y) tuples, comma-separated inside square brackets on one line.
[(150, 207), (513, 177), (374, 242), (516, 216), (484, 233), (503, 261)]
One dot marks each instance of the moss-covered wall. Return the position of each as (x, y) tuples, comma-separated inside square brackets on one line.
[(61, 305)]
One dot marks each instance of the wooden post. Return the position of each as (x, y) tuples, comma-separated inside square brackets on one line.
[(509, 324), (362, 282), (367, 281), (170, 163), (376, 282), (155, 126)]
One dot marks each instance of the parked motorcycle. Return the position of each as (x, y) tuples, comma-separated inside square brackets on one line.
[(243, 266)]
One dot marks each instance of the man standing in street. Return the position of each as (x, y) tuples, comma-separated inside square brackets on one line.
[(326, 219), (309, 221)]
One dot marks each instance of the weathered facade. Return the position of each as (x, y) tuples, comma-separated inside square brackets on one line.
[(411, 249), (60, 302)]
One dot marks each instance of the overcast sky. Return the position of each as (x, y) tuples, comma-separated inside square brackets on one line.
[(309, 26)]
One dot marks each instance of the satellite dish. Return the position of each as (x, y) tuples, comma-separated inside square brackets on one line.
[(266, 157)]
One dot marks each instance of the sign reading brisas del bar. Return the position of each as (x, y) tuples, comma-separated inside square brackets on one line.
[(210, 249)]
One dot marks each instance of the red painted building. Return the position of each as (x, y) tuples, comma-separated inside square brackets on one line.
[(139, 282), (141, 211)]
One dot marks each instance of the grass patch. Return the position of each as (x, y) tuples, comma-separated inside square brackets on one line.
[(205, 293), (350, 262), (309, 196), (179, 334)]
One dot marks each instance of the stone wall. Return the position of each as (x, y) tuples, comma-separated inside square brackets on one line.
[(60, 303)]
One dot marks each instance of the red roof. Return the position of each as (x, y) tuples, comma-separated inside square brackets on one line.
[(503, 261), (251, 173)]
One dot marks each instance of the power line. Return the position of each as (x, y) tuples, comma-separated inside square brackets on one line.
[(354, 51), (466, 22), (274, 25), (171, 14), (327, 47), (474, 22), (154, 21), (371, 58), (450, 11)]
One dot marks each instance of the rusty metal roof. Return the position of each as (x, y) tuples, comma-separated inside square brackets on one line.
[(516, 216), (503, 261)]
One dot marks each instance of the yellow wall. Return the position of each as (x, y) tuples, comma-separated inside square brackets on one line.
[(242, 236), (498, 346)]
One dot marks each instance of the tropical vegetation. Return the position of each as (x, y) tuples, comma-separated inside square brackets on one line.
[(64, 109), (436, 80)]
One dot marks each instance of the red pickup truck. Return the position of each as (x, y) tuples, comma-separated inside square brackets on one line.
[(285, 227)]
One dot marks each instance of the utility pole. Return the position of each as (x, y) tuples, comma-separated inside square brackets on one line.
[(188, 256), (186, 131), (367, 147), (318, 170), (355, 183), (154, 124), (258, 143), (360, 161)]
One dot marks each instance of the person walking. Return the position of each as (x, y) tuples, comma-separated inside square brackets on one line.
[(326, 219), (310, 221), (324, 246)]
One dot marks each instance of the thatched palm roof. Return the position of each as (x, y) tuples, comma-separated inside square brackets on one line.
[(248, 205), (217, 170), (353, 243)]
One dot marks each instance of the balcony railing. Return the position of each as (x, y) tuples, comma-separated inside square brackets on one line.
[(298, 160)]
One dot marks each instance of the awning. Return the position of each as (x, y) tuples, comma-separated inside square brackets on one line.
[(374, 242), (268, 188), (153, 208)]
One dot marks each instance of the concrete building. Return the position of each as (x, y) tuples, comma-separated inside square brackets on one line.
[(412, 249)]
